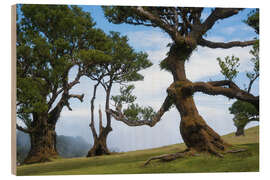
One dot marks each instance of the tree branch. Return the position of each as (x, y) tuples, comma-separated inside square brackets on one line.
[(23, 129), (228, 83), (119, 116), (92, 124), (80, 97), (156, 20), (218, 14), (251, 82), (210, 44), (215, 88)]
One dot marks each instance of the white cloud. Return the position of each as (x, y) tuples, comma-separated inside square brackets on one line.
[(155, 81), (203, 62), (153, 39), (228, 30), (79, 113)]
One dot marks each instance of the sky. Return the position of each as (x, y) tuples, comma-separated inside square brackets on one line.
[(202, 66)]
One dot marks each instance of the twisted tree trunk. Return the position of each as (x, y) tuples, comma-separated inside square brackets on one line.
[(195, 132), (240, 131), (43, 142)]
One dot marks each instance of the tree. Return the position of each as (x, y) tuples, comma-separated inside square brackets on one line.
[(51, 40), (244, 112), (187, 30), (125, 68)]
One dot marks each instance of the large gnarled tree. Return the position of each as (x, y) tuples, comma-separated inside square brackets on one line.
[(51, 40), (187, 30), (125, 68)]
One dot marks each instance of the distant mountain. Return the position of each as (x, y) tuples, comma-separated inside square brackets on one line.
[(67, 146)]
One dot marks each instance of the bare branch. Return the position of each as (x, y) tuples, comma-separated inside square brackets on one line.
[(251, 82), (119, 116), (100, 120), (228, 83), (210, 44), (66, 87), (156, 20), (218, 14), (80, 97), (215, 88), (23, 129), (92, 124)]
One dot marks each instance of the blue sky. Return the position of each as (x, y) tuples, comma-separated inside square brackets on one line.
[(202, 66)]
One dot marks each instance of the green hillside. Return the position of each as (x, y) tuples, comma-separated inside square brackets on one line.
[(132, 162)]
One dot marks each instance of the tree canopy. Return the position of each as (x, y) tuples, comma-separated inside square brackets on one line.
[(51, 40)]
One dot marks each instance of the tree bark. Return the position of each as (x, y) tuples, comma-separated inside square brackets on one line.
[(100, 145), (43, 142), (195, 132), (100, 141), (240, 131)]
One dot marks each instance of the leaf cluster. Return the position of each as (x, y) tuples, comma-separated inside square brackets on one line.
[(125, 62), (253, 20), (132, 111), (229, 66)]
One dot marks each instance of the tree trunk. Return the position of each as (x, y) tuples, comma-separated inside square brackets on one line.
[(195, 132), (100, 141), (240, 131), (43, 143), (100, 144)]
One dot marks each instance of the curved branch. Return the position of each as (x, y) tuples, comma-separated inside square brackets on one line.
[(228, 83), (154, 19), (252, 81), (23, 129), (210, 44), (216, 88), (119, 116), (218, 14), (80, 97)]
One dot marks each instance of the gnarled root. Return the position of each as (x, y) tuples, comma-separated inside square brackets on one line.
[(236, 151), (171, 157)]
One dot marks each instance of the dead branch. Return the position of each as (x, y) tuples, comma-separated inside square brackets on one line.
[(119, 116)]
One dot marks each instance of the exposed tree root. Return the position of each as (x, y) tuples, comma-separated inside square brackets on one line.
[(165, 157), (236, 151), (171, 157), (188, 152)]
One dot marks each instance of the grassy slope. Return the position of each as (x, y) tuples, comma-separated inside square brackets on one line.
[(132, 162)]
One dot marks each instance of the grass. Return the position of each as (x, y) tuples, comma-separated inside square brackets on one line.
[(132, 162)]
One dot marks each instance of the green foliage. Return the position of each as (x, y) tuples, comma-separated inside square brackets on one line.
[(253, 20), (121, 14), (137, 113), (253, 75), (125, 97), (229, 67), (52, 39), (243, 112), (132, 111), (125, 62)]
